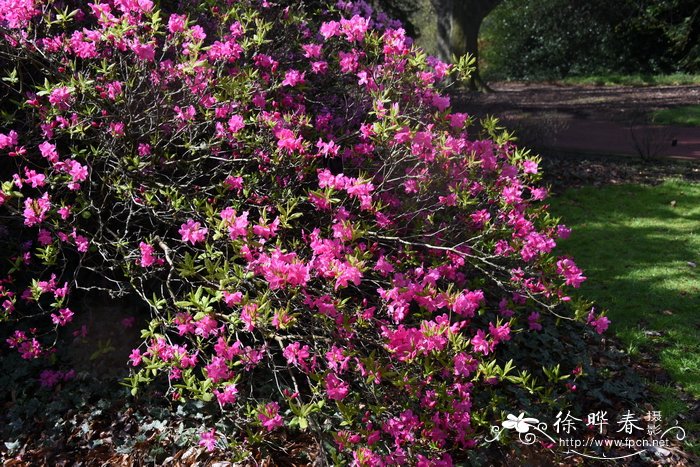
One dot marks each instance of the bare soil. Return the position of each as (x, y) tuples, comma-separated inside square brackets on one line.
[(610, 103), (592, 135)]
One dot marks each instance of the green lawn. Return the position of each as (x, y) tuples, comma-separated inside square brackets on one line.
[(688, 115), (612, 79), (640, 248)]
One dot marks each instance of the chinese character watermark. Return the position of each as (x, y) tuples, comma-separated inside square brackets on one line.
[(595, 439)]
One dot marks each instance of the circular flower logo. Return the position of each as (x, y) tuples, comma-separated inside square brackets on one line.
[(519, 423)]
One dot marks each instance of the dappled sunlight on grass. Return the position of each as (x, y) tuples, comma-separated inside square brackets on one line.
[(688, 115), (640, 248)]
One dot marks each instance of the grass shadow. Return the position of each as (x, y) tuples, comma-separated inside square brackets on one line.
[(640, 248)]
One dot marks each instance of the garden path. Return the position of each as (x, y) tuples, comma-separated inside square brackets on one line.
[(590, 119)]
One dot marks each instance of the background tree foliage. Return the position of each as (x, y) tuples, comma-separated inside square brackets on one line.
[(549, 39), (542, 39)]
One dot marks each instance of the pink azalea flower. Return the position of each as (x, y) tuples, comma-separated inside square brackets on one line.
[(117, 128), (319, 67), (208, 439), (336, 359), (193, 232), (500, 333), (347, 274), (354, 28), (232, 299), (296, 354), (185, 114), (512, 194), (235, 124), (61, 292), (530, 167), (330, 29), (283, 269), (82, 46), (30, 349), (50, 378), (48, 151), (349, 61), (36, 180), (77, 171), (237, 225), (147, 255), (270, 417), (563, 232), (539, 194), (135, 357), (480, 217), (198, 34), (114, 90), (44, 237), (249, 313), (441, 102), (63, 317), (228, 396), (383, 266), (218, 370), (234, 183), (267, 231), (60, 97), (533, 321), (293, 78), (468, 302), (336, 388), (35, 210), (457, 120), (572, 274), (464, 364), (600, 323), (205, 327), (144, 149), (146, 52), (184, 323), (287, 140), (176, 23), (9, 140), (81, 242), (312, 50), (480, 343)]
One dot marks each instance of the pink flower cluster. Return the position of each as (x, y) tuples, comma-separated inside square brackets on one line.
[(193, 232), (315, 227), (571, 273), (50, 378), (600, 323)]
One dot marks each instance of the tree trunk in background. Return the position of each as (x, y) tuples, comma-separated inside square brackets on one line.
[(458, 24), (443, 12)]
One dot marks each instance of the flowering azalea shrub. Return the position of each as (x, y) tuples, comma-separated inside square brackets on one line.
[(324, 245)]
